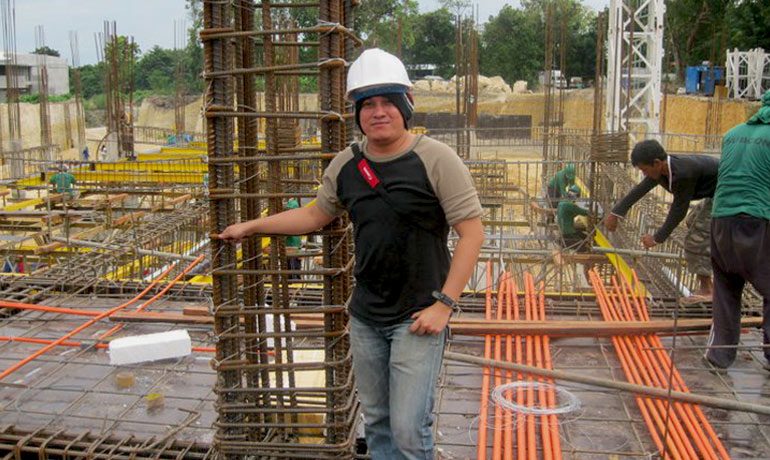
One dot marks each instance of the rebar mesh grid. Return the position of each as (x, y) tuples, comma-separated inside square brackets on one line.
[(69, 402), (608, 423), (114, 254)]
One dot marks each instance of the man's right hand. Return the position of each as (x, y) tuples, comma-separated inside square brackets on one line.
[(235, 233), (611, 222)]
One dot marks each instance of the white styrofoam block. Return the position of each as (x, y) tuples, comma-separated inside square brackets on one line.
[(150, 347), (269, 328)]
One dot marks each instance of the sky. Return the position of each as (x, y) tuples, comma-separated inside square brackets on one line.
[(487, 8), (150, 22)]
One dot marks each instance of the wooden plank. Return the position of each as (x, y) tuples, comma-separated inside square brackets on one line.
[(462, 326), (134, 216), (584, 328), (196, 311)]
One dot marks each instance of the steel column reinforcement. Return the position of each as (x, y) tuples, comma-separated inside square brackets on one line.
[(281, 392)]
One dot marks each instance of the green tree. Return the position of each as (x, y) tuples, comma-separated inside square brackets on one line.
[(434, 39), (156, 70), (749, 24), (46, 50), (193, 63), (511, 45), (513, 42), (92, 80), (455, 7), (694, 28), (377, 23)]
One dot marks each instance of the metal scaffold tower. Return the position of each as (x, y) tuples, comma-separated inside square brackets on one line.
[(635, 54), (748, 73)]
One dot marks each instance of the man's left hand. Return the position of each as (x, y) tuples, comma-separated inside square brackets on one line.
[(432, 320), (648, 241)]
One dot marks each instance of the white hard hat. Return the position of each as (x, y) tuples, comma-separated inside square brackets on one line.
[(376, 72)]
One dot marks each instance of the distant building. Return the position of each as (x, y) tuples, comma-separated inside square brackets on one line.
[(418, 71), (27, 71)]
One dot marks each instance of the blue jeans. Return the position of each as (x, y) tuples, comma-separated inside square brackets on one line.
[(396, 373)]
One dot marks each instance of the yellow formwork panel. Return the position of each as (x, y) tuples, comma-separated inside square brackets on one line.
[(200, 279), (172, 150), (121, 272), (25, 204), (140, 177), (169, 156), (32, 181), (150, 166)]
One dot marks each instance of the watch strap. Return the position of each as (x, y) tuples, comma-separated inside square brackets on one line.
[(446, 300)]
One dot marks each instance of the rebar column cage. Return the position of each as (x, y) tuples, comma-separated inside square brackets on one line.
[(281, 391)]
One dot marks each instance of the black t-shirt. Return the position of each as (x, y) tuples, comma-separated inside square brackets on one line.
[(399, 264)]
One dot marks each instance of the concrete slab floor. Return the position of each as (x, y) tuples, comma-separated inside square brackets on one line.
[(74, 389), (608, 423)]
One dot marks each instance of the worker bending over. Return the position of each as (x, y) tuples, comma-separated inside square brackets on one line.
[(558, 185), (402, 192), (688, 178), (573, 237), (740, 233)]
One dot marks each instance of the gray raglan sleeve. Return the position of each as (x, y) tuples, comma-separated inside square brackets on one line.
[(452, 183), (326, 198)]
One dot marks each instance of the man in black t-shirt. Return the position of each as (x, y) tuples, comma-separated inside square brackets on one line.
[(402, 192)]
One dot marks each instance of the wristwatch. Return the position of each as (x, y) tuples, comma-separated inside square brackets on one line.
[(446, 300)]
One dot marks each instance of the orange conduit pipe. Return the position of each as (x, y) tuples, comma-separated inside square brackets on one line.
[(521, 424), (657, 347), (670, 425), (542, 400), (675, 426), (654, 365), (13, 368), (648, 411), (553, 420), (659, 374), (508, 417), (497, 435), (537, 353), (530, 392), (481, 444), (47, 309)]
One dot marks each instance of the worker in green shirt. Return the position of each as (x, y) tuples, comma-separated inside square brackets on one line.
[(63, 181), (557, 186), (740, 233), (293, 243), (572, 237)]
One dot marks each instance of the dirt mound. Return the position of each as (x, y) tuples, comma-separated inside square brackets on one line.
[(488, 86)]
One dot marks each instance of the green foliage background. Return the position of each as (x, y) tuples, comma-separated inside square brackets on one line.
[(511, 43)]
